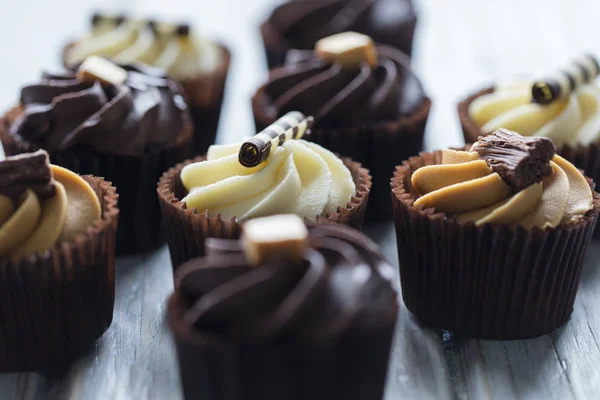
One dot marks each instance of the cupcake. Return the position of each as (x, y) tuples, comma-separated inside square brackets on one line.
[(57, 257), (198, 64), (124, 123), (285, 313), (563, 106), (491, 241), (367, 103), (273, 172), (298, 24)]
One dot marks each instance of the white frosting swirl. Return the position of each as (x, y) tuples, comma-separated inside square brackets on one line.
[(182, 57), (299, 178), (572, 120)]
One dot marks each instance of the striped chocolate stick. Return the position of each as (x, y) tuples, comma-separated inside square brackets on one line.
[(582, 70), (257, 149)]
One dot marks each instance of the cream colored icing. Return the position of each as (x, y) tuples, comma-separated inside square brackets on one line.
[(299, 178), (464, 187), (574, 119), (182, 57)]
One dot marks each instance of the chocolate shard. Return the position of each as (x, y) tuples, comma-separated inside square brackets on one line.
[(27, 171), (521, 161)]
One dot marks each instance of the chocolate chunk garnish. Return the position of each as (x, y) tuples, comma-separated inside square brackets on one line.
[(27, 171), (520, 161)]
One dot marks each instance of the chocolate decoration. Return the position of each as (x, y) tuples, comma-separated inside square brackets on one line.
[(565, 81), (520, 161), (182, 30), (27, 171), (257, 149)]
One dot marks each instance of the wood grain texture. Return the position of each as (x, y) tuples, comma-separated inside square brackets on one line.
[(460, 46)]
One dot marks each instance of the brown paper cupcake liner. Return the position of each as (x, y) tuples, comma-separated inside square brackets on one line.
[(54, 306), (586, 158), (378, 147), (187, 229), (486, 282), (205, 94), (135, 177), (211, 369)]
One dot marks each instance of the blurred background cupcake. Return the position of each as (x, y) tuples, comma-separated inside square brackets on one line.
[(198, 64), (563, 106), (126, 123), (367, 103), (285, 314), (57, 257), (298, 24), (491, 241), (273, 172)]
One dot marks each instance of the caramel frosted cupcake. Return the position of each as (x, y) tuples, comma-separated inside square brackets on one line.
[(57, 254), (367, 104), (272, 173), (285, 314), (299, 24), (563, 106), (491, 241), (198, 64), (127, 124)]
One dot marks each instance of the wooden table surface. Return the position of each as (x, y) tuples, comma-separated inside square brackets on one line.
[(460, 46)]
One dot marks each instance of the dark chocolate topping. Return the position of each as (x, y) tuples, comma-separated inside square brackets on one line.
[(302, 22), (341, 287), (521, 161), (338, 97), (26, 171), (62, 112)]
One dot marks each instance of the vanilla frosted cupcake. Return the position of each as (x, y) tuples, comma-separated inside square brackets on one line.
[(491, 241), (57, 255), (198, 64), (272, 173), (563, 106)]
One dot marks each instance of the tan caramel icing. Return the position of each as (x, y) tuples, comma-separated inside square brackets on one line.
[(465, 187)]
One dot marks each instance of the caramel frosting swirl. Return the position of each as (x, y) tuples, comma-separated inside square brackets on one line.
[(466, 187), (46, 205), (167, 46), (340, 288), (299, 177)]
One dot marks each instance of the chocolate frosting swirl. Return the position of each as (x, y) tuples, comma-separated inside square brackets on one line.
[(302, 22), (62, 112), (341, 288), (339, 97)]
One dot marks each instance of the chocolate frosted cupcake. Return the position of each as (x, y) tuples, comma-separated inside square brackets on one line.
[(296, 314), (298, 24), (563, 106), (199, 65), (367, 104), (127, 124), (57, 255), (272, 173), (491, 241)]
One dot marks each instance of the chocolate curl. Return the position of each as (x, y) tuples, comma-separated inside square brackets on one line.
[(563, 82), (257, 149)]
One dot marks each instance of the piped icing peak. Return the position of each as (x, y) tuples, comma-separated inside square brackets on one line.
[(286, 175), (339, 286), (505, 180)]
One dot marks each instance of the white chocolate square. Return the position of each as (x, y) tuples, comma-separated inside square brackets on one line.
[(279, 235), (350, 49), (96, 68)]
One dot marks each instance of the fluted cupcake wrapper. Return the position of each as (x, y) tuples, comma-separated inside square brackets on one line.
[(204, 94), (211, 369), (379, 147), (486, 282), (135, 177), (187, 229), (54, 306)]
